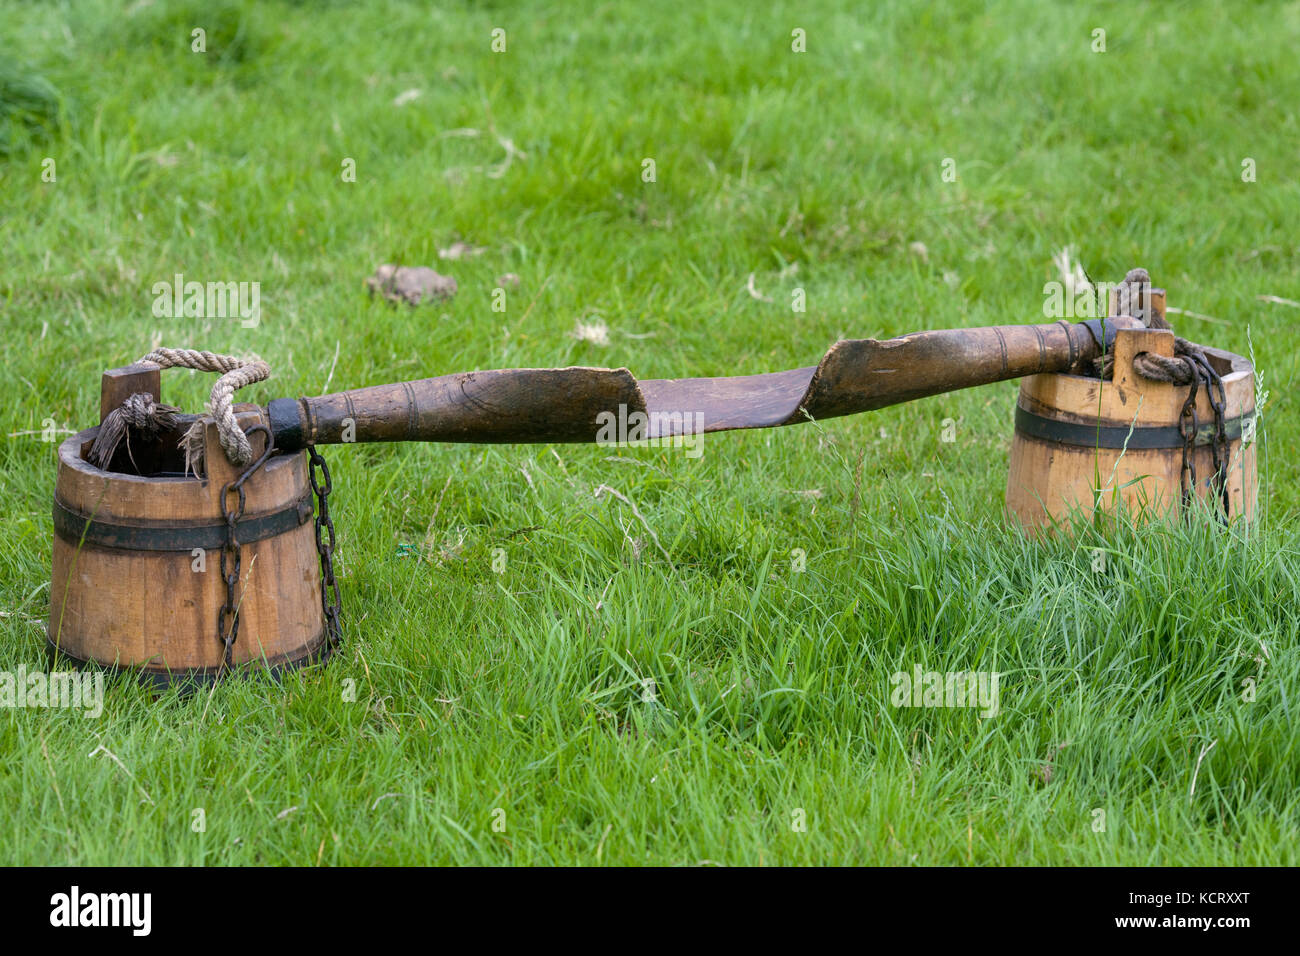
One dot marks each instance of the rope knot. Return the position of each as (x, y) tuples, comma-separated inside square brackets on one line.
[(138, 411), (142, 412)]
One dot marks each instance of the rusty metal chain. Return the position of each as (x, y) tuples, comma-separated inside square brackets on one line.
[(330, 601), (1203, 373), (1188, 426), (1219, 441), (232, 552)]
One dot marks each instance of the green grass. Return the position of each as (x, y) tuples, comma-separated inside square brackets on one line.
[(526, 691)]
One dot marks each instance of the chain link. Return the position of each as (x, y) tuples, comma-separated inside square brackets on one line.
[(232, 552), (1188, 426), (1219, 444), (330, 601), (228, 615), (1203, 373)]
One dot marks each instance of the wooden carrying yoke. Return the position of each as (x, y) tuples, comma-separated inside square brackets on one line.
[(187, 575)]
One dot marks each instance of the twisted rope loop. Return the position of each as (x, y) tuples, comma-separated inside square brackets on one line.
[(1182, 368), (142, 413), (236, 373)]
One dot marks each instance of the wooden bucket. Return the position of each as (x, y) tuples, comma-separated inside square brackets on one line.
[(137, 579), (1073, 452)]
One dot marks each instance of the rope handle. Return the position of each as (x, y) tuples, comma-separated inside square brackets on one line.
[(236, 373), (1182, 368), (142, 412)]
